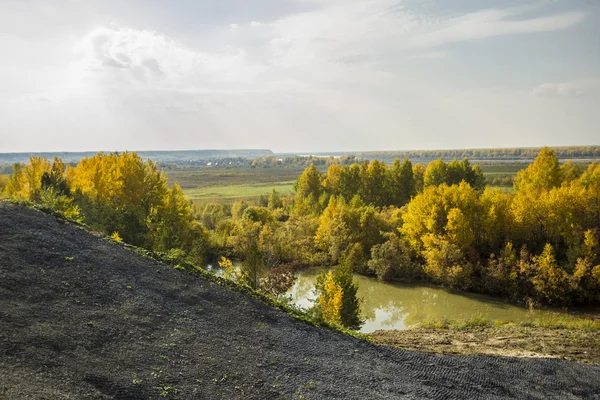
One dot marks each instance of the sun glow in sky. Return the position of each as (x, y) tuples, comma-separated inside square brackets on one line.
[(298, 75)]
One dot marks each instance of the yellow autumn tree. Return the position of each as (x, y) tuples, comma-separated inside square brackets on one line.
[(459, 229), (333, 234), (3, 183), (430, 212), (338, 301), (550, 282), (26, 180), (543, 174), (496, 219), (331, 183), (330, 300), (123, 193)]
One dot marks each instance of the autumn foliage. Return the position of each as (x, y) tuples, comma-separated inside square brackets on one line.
[(400, 221), (118, 194)]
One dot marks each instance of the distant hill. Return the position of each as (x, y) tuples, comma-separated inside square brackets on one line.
[(238, 156), (157, 156)]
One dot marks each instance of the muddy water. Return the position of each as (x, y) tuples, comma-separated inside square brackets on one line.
[(398, 306)]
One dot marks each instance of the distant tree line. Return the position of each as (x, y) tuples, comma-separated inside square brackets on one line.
[(527, 153), (301, 161), (268, 161), (161, 156)]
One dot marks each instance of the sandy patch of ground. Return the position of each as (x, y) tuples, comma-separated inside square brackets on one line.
[(507, 340)]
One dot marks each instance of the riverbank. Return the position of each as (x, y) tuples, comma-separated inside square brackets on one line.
[(509, 340)]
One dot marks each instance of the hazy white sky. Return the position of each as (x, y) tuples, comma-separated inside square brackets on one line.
[(298, 75)]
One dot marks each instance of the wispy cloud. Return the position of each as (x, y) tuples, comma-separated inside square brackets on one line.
[(430, 55), (489, 23), (576, 88)]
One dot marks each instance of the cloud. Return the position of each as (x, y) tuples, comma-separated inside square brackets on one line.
[(317, 74), (576, 88), (375, 31), (430, 55), (121, 57), (334, 38), (490, 23)]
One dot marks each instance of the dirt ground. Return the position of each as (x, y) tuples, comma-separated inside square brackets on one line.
[(82, 318), (508, 340)]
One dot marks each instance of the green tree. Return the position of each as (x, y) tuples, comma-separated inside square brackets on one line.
[(374, 185), (501, 274), (172, 227), (477, 179), (419, 177), (258, 214), (391, 260), (275, 200), (308, 184), (247, 246), (402, 183), (56, 178), (436, 173), (445, 262), (349, 182), (570, 171)]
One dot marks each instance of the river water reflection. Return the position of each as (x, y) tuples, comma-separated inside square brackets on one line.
[(399, 306)]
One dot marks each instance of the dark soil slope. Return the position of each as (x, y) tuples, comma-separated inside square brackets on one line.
[(83, 318)]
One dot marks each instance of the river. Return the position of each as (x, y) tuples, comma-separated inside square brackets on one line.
[(402, 305)]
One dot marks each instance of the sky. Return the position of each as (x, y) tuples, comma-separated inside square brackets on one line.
[(298, 75)]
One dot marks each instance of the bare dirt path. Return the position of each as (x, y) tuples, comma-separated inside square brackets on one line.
[(507, 340), (82, 318)]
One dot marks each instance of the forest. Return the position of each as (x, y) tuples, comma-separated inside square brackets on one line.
[(498, 154), (398, 221)]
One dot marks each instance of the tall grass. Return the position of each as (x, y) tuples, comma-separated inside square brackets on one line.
[(551, 321)]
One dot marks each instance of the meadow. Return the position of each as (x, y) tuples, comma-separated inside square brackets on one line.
[(227, 185)]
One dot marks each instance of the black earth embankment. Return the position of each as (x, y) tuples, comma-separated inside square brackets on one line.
[(83, 318)]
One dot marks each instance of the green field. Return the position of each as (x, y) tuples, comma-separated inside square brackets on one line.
[(502, 169), (226, 185), (231, 193)]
